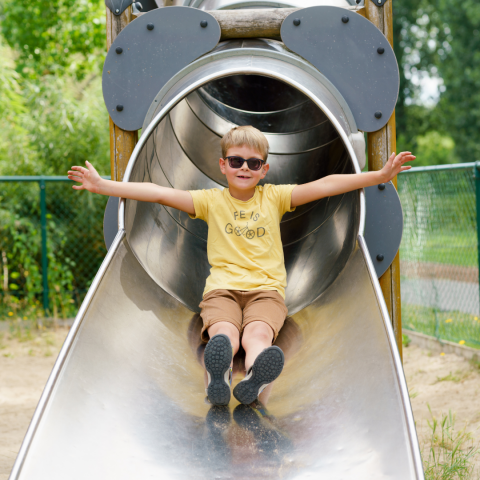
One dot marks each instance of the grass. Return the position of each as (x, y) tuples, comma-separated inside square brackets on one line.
[(449, 454), (458, 327), (451, 248), (457, 377), (28, 337), (412, 394)]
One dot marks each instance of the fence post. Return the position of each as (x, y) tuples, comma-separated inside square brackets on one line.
[(43, 223), (476, 169)]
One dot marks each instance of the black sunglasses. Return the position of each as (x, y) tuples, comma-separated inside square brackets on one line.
[(253, 163)]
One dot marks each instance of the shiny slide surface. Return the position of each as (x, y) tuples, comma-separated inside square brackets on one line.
[(126, 397)]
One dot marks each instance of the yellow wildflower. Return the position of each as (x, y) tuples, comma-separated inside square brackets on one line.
[(25, 318), (10, 314), (448, 320), (462, 342), (442, 354)]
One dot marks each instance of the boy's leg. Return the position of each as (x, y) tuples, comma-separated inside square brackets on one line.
[(231, 331), (263, 317), (257, 336), (221, 328), (218, 365), (228, 329)]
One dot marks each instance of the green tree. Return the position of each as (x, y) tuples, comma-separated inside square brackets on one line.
[(433, 148), (458, 51), (15, 147), (55, 36), (439, 38)]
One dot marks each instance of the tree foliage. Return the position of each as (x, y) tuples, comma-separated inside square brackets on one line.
[(51, 106), (52, 116), (55, 37), (439, 39)]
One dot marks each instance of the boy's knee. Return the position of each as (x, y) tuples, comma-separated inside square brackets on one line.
[(259, 331), (228, 329)]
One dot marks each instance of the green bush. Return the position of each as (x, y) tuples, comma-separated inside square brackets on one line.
[(50, 123)]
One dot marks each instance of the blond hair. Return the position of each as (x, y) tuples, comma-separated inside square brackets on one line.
[(245, 135)]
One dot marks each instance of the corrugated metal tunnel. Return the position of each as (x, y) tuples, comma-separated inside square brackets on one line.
[(183, 151)]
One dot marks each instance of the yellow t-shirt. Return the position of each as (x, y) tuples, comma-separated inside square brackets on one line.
[(244, 246)]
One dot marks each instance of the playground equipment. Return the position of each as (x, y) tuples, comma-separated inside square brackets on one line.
[(126, 396)]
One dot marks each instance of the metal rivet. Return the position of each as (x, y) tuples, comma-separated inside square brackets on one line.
[(296, 22), (203, 24), (119, 50), (380, 50), (139, 6), (117, 11), (345, 19), (378, 114), (380, 257), (119, 108), (379, 2), (150, 26), (381, 186)]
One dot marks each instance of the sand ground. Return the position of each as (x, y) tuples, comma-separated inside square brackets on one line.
[(445, 382)]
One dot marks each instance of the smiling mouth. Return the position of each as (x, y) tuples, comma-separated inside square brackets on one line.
[(242, 176)]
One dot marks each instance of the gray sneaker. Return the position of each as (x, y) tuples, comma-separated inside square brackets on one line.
[(266, 368), (218, 357)]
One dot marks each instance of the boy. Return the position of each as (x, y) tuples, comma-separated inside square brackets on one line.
[(244, 295)]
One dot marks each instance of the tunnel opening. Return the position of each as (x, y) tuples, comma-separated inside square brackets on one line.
[(183, 151)]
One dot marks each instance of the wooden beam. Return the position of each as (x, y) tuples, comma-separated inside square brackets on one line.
[(256, 23), (380, 146), (251, 23), (122, 142)]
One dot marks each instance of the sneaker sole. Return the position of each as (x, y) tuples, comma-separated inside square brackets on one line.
[(218, 356), (266, 368)]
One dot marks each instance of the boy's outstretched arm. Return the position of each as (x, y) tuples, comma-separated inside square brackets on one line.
[(337, 184), (145, 192)]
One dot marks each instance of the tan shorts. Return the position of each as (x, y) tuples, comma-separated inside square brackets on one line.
[(241, 307)]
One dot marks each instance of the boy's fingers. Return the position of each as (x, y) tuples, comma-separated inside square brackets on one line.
[(77, 187), (403, 154), (80, 169)]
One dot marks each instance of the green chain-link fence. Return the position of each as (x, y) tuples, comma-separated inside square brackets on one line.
[(439, 252), (51, 245)]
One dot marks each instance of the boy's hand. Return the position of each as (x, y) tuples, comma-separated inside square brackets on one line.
[(395, 165), (88, 177), (338, 184), (141, 191)]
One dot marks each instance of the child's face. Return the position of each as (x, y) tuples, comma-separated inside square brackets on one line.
[(243, 178)]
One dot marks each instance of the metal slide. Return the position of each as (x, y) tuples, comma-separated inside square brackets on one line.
[(126, 397)]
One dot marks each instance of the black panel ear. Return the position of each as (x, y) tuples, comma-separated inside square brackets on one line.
[(383, 225), (353, 54), (147, 53)]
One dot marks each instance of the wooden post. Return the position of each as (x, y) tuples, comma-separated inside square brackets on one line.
[(381, 144), (122, 142)]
